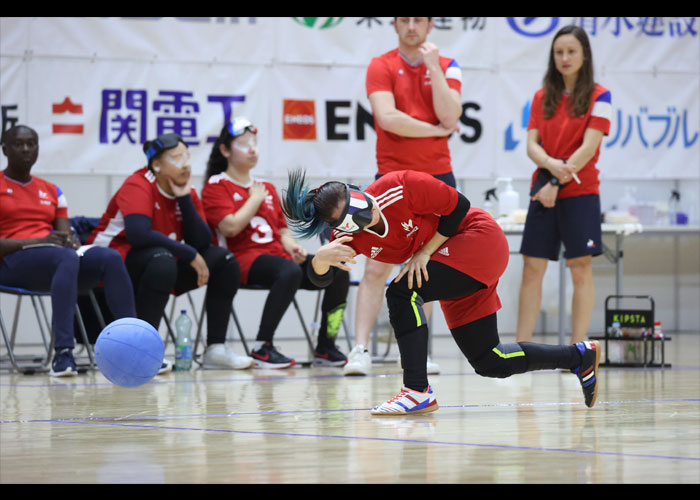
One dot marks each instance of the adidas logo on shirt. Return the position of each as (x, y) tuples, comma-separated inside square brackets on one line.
[(375, 251), (444, 251), (408, 226)]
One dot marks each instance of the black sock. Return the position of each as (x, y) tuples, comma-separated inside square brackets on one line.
[(550, 357)]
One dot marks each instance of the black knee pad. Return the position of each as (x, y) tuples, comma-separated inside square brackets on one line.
[(160, 272), (405, 308), (502, 361), (229, 268), (290, 274)]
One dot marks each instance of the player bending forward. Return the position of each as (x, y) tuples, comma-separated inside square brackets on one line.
[(455, 254)]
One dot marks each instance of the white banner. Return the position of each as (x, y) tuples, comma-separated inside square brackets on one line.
[(96, 88), (95, 118)]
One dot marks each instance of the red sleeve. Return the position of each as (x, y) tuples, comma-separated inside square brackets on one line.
[(378, 77), (601, 110), (535, 111), (62, 205), (217, 203), (135, 197), (453, 73), (427, 195)]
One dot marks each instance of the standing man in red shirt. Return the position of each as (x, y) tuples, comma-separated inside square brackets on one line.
[(415, 97)]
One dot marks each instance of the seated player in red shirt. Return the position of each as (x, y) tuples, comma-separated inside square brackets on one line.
[(456, 255), (38, 251), (156, 222), (245, 214)]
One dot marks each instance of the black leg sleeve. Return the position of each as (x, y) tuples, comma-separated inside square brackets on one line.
[(224, 280), (153, 272), (480, 344)]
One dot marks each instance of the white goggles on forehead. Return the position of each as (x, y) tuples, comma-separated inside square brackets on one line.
[(357, 213), (238, 126)]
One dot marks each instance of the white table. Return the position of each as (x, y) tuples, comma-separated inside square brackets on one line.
[(615, 256)]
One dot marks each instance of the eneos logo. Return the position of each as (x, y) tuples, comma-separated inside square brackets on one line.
[(299, 119)]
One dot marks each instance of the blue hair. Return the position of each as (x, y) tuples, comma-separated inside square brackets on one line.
[(298, 207)]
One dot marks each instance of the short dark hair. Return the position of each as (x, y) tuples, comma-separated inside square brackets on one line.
[(10, 132)]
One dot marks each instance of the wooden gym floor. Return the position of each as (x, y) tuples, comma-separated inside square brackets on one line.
[(312, 425)]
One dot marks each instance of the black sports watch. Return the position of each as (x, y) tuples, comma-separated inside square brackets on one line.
[(554, 181)]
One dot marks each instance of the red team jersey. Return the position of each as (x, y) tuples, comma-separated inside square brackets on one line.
[(140, 194), (413, 95), (411, 204), (222, 196), (562, 134), (39, 203)]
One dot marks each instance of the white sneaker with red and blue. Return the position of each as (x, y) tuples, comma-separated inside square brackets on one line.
[(408, 402)]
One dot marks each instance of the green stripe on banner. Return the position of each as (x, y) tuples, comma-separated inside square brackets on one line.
[(415, 308), (509, 355)]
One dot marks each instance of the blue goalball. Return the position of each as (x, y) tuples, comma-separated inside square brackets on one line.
[(129, 352)]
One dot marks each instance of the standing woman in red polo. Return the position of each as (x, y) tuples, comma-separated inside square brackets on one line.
[(569, 117)]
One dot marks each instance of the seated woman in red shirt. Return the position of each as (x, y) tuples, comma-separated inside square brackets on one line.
[(246, 216), (156, 222), (455, 254), (34, 212)]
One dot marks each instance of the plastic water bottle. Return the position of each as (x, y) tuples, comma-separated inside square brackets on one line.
[(509, 199), (183, 342), (658, 340)]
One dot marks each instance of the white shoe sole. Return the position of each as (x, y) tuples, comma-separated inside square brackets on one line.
[(272, 366), (429, 409), (354, 370), (67, 373), (210, 366), (325, 362)]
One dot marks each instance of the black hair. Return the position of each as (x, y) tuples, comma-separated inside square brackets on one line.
[(217, 163), (10, 132)]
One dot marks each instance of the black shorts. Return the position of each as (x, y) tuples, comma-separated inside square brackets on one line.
[(575, 222)]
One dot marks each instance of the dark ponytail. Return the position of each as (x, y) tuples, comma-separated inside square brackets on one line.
[(309, 211), (217, 162)]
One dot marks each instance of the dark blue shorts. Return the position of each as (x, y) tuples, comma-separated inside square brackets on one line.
[(575, 222)]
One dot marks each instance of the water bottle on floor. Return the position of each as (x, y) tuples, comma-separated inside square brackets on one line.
[(183, 342)]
